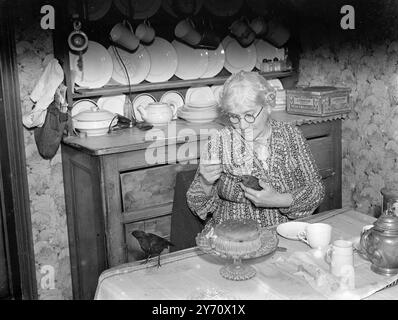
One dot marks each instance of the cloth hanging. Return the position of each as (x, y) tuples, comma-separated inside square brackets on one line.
[(43, 94), (48, 137)]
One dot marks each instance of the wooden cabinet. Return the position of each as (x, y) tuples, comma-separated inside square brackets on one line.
[(113, 186)]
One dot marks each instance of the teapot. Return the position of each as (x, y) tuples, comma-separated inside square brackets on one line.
[(157, 113), (380, 245)]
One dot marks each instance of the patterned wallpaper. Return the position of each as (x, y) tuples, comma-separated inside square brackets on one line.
[(46, 191), (366, 61)]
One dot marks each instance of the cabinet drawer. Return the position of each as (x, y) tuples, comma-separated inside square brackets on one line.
[(149, 187), (160, 226)]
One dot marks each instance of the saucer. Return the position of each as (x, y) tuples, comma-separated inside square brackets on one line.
[(290, 230)]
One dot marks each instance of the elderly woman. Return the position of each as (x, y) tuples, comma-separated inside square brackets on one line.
[(255, 145)]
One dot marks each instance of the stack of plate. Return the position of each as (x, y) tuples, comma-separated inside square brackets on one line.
[(200, 105)]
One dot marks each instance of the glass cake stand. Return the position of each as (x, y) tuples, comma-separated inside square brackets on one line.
[(237, 270)]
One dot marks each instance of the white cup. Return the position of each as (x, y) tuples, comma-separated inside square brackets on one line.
[(316, 235), (186, 31), (340, 257), (124, 36), (145, 32)]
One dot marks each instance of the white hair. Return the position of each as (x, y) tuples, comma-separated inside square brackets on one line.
[(246, 89)]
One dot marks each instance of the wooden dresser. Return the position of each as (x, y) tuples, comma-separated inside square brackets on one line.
[(125, 181)]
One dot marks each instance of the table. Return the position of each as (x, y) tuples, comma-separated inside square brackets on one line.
[(190, 274)]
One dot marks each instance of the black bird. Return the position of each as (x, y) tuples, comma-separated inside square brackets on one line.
[(251, 182), (151, 244)]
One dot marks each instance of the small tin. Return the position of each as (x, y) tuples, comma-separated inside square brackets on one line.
[(318, 101)]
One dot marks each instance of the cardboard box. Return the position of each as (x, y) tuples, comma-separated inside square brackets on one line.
[(318, 101)]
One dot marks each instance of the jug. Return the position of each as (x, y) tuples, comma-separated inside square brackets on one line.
[(380, 245)]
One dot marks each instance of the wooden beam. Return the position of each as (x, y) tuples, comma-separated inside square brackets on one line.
[(17, 219)]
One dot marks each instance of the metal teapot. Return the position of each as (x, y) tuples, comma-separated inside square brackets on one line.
[(380, 245)]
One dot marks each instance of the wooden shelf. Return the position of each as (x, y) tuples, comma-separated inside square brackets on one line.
[(171, 84)]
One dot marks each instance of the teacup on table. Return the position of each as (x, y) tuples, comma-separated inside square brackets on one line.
[(316, 235)]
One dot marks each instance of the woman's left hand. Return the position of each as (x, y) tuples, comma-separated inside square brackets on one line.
[(260, 198), (267, 197)]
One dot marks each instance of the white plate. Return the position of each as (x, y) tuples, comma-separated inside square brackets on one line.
[(97, 66), (216, 62), (82, 105), (173, 97), (164, 60), (142, 99), (142, 9), (238, 58), (291, 229), (137, 64), (98, 8), (200, 96), (192, 63), (114, 104), (265, 50), (217, 92), (192, 117), (206, 116), (204, 110), (167, 5)]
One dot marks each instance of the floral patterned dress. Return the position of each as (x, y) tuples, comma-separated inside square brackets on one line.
[(286, 164)]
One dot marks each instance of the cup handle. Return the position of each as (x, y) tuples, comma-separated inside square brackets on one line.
[(328, 255), (174, 109), (303, 237), (142, 111), (125, 22), (191, 23)]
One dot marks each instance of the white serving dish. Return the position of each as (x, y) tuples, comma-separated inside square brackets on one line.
[(216, 62), (97, 66), (238, 58), (200, 96), (192, 63), (174, 98), (137, 64), (164, 60), (82, 105), (197, 117), (94, 122), (291, 229), (114, 104)]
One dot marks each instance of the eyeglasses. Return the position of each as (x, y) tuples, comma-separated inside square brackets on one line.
[(249, 118)]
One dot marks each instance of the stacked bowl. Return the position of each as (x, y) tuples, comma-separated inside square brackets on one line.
[(200, 106)]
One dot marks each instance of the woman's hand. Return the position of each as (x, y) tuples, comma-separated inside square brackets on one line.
[(268, 197), (210, 173)]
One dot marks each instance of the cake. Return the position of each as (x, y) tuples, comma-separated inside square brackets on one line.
[(236, 237)]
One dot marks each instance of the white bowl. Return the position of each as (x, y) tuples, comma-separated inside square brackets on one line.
[(188, 108), (197, 116), (93, 128), (202, 105)]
